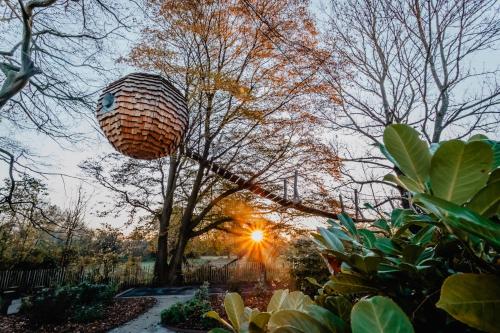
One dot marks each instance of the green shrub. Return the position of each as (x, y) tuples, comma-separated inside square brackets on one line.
[(201, 293), (49, 305), (431, 267), (286, 312), (190, 310), (306, 261), (181, 312), (441, 253), (94, 293), (82, 302), (88, 313), (173, 315)]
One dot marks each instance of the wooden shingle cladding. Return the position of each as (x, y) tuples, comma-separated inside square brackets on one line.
[(144, 116)]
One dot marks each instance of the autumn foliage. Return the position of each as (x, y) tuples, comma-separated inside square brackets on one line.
[(251, 73), (250, 70)]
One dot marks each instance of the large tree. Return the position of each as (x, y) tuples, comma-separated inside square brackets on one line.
[(51, 55), (427, 63), (249, 93)]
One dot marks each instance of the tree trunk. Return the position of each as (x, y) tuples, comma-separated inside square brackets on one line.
[(174, 274), (161, 261), (162, 250)]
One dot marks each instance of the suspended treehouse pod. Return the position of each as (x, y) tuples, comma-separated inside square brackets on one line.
[(143, 116)]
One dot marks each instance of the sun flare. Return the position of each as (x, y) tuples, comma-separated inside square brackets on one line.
[(257, 236)]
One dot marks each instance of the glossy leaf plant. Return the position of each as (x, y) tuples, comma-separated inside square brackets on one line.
[(431, 267)]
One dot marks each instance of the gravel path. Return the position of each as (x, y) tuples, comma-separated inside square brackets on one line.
[(149, 322)]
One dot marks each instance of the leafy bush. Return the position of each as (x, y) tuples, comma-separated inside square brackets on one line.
[(306, 261), (173, 315), (87, 293), (88, 313), (400, 273), (286, 312), (190, 310), (201, 293), (418, 256), (83, 302), (49, 305)]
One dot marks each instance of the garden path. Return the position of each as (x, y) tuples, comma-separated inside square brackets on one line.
[(149, 322)]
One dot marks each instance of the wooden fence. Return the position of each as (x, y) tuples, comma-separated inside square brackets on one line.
[(139, 276), (32, 279), (237, 272)]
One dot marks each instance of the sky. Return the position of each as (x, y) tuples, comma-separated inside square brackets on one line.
[(66, 159)]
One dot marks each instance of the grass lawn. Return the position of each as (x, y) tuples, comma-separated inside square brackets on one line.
[(217, 261)]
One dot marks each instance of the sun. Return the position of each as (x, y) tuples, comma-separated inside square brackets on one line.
[(257, 236)]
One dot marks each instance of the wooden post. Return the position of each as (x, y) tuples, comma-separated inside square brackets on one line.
[(295, 187), (356, 205), (285, 185)]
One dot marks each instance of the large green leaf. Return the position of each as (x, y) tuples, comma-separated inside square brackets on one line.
[(410, 152), (233, 304), (277, 300), (384, 151), (462, 219), (495, 146), (473, 299), (347, 222), (478, 137), (366, 264), (424, 236), (379, 314), (215, 315), (300, 321), (386, 245), (411, 253), (341, 234), (258, 322), (341, 306), (368, 237), (382, 224), (327, 318), (405, 182), (487, 201), (287, 329), (400, 216), (330, 240), (349, 284), (411, 185), (296, 300), (459, 170)]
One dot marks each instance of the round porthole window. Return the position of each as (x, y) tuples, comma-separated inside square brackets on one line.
[(108, 102)]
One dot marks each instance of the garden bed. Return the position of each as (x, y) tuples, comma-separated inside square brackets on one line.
[(193, 323), (117, 313), (251, 300)]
